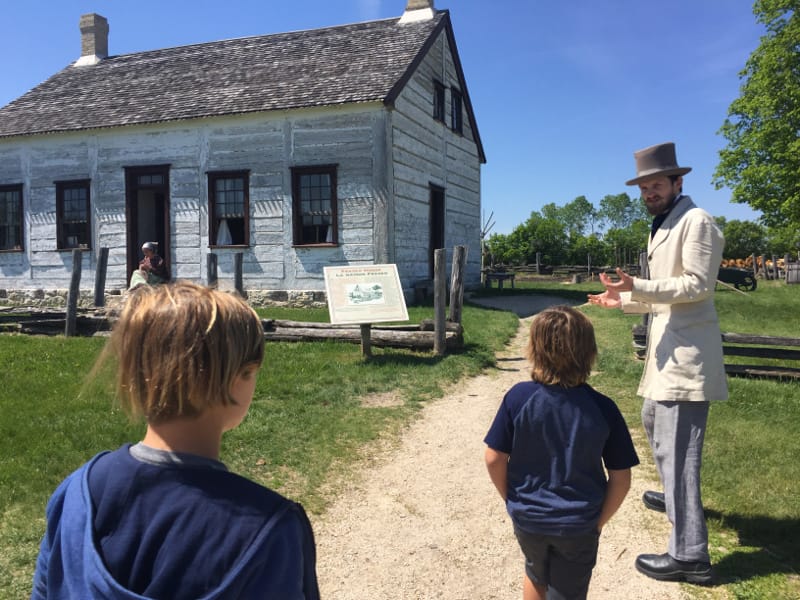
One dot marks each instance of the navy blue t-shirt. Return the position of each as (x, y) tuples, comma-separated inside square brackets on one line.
[(558, 440)]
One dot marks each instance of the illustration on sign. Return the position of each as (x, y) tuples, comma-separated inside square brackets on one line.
[(370, 293)]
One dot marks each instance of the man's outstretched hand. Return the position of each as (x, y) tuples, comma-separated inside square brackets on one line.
[(610, 298)]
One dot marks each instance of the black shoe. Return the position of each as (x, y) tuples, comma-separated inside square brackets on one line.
[(665, 568), (654, 501)]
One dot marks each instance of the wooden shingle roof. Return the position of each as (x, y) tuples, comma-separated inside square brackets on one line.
[(361, 62)]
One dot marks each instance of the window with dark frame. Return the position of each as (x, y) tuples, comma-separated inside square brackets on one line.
[(438, 100), (73, 216), (314, 205), (456, 118), (229, 208), (11, 217)]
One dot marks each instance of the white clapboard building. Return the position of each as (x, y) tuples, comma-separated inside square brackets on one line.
[(347, 145)]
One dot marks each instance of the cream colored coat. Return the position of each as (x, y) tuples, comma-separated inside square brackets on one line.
[(684, 348)]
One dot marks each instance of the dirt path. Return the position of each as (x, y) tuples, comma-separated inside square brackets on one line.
[(423, 521)]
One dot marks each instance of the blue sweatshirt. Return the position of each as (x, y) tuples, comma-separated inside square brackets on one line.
[(123, 527)]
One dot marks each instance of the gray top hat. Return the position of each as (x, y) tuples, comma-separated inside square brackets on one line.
[(656, 160)]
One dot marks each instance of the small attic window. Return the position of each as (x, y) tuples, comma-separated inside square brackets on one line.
[(456, 113), (438, 101)]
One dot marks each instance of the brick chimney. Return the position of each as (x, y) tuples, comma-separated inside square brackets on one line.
[(418, 10), (94, 39)]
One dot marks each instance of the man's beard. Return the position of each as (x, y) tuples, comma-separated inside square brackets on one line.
[(659, 206)]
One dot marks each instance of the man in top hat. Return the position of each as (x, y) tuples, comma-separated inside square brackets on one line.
[(684, 367)]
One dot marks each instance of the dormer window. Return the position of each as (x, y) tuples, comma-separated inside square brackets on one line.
[(456, 118), (438, 101)]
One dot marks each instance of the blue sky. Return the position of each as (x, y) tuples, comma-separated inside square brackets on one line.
[(563, 91)]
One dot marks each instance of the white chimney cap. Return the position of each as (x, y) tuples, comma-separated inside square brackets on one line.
[(418, 10)]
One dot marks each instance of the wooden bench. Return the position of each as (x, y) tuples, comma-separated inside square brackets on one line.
[(499, 278)]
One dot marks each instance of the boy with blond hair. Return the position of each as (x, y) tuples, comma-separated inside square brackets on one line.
[(164, 518)]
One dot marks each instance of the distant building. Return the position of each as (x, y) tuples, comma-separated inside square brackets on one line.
[(354, 144)]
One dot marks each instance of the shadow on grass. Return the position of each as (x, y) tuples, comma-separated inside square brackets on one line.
[(425, 358), (525, 305), (776, 543)]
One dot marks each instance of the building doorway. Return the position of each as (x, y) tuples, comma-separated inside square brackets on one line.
[(147, 212), (436, 220)]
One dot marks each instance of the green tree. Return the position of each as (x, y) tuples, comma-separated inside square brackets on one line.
[(624, 243), (783, 240), (550, 238), (550, 211), (743, 238), (578, 216), (537, 234), (583, 249), (620, 211), (504, 249), (761, 161)]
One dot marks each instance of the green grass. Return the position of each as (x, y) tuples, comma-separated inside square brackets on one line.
[(307, 424)]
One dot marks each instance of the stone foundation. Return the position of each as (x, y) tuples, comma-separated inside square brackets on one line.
[(40, 298)]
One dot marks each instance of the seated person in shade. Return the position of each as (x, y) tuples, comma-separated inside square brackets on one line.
[(152, 268)]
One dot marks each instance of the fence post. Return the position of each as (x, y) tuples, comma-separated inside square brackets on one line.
[(457, 283), (238, 259), (211, 270), (786, 258), (439, 302), (366, 341), (100, 277), (74, 291)]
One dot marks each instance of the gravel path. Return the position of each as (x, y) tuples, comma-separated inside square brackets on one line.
[(421, 520)]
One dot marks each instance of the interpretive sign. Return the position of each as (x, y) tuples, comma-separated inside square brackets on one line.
[(364, 294)]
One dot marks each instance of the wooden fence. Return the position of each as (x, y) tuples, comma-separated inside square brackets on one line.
[(777, 357), (441, 334)]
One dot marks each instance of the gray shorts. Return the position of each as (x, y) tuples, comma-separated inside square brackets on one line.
[(562, 563)]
